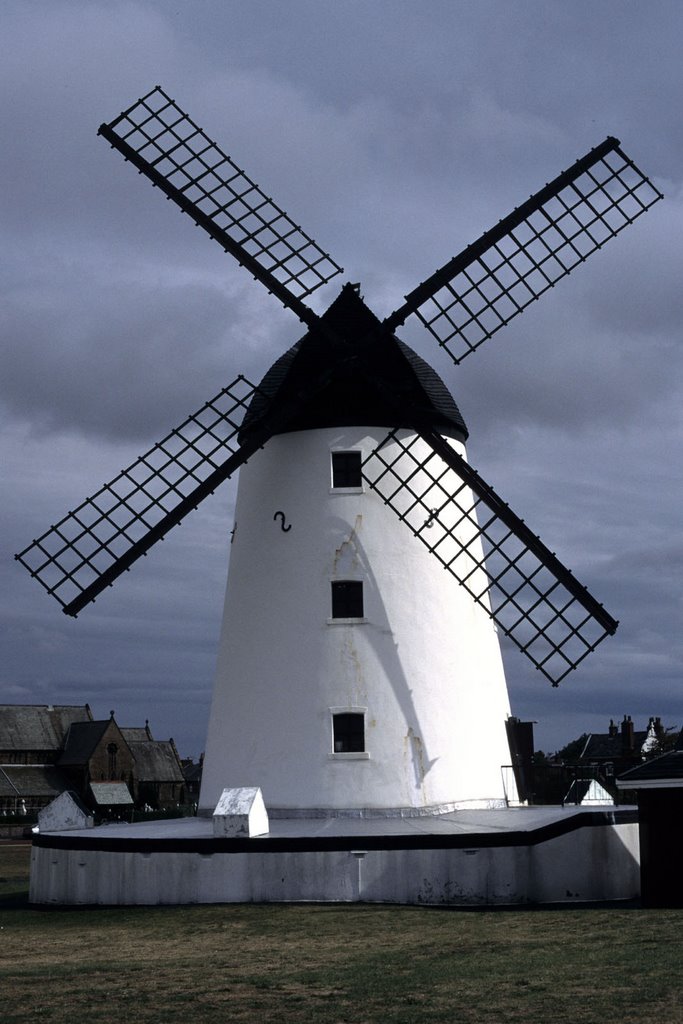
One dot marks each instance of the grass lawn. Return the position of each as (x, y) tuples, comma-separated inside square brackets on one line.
[(332, 964)]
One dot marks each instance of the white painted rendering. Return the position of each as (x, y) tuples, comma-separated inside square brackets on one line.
[(584, 864), (423, 662), (596, 794), (64, 813), (240, 812)]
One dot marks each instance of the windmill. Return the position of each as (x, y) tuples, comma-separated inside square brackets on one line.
[(372, 567)]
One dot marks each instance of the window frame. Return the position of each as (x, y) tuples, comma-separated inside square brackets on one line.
[(349, 755), (345, 488), (346, 619)]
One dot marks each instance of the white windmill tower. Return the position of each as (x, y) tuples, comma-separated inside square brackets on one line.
[(359, 652), (354, 673)]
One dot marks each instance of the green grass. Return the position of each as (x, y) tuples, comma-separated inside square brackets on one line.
[(14, 866), (332, 964)]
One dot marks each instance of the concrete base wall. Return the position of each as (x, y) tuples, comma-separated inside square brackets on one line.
[(586, 864)]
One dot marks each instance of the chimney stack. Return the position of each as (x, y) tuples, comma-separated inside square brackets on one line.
[(627, 733)]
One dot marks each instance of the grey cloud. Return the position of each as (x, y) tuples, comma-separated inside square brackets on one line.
[(395, 133)]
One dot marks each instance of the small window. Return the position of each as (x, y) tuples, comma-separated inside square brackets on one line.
[(346, 471), (347, 599), (348, 730)]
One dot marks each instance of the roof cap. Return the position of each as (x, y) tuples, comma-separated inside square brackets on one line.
[(366, 375)]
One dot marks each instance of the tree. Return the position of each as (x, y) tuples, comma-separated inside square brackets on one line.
[(572, 751)]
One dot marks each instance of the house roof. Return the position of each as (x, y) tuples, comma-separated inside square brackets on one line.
[(81, 741), (32, 780), (665, 771), (136, 735), (156, 761), (38, 727), (604, 747), (193, 772), (368, 376)]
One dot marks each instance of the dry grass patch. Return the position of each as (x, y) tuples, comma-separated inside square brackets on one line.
[(331, 964)]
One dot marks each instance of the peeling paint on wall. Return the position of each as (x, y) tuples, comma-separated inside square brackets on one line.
[(347, 557)]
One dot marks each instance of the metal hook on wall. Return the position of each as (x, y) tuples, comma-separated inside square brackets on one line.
[(281, 517)]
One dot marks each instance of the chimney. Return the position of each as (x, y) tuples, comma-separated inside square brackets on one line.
[(627, 733), (613, 729)]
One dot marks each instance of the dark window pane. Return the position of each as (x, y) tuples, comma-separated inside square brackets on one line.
[(346, 469), (349, 732), (347, 599)]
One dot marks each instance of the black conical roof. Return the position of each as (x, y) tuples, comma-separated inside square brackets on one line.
[(367, 378)]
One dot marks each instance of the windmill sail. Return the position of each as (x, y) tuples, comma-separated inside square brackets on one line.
[(508, 570), (180, 159), (91, 546), (510, 266), (534, 599)]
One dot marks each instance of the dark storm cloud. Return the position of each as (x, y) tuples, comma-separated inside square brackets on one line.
[(126, 365), (395, 132)]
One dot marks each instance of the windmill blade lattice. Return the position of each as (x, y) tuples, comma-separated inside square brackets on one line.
[(509, 267), (91, 546), (177, 156), (532, 597)]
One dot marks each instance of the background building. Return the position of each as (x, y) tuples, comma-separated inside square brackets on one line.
[(48, 749)]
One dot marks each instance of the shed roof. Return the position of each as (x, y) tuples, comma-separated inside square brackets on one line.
[(38, 726), (108, 794)]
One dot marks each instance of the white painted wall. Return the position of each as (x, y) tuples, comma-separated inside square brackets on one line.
[(583, 865), (425, 663), (240, 812), (63, 813)]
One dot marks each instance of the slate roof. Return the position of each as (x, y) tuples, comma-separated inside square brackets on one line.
[(136, 735), (155, 760), (38, 727), (603, 747), (108, 794), (81, 741), (193, 772), (31, 780), (370, 364), (665, 768), (6, 787)]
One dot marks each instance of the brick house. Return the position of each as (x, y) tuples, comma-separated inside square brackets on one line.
[(96, 753), (48, 749), (623, 746), (158, 782)]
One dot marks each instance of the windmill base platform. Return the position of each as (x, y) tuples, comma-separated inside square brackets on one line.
[(464, 858)]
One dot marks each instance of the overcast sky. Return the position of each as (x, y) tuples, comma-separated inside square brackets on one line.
[(395, 133)]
